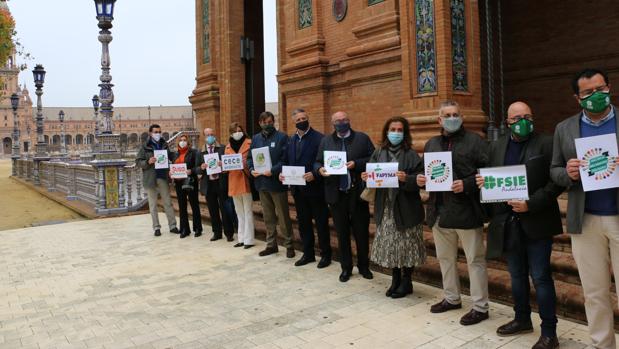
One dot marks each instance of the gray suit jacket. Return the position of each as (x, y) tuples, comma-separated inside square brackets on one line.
[(564, 149)]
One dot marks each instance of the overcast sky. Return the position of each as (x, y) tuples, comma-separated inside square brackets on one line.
[(152, 54)]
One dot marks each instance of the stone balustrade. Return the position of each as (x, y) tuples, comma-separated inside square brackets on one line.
[(82, 180)]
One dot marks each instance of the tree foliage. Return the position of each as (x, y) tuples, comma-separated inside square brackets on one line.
[(7, 33)]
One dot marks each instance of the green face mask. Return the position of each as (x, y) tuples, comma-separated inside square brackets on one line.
[(522, 128), (596, 102)]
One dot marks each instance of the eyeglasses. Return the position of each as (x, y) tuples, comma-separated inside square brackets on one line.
[(157, 132), (342, 121), (517, 118), (454, 115), (589, 92)]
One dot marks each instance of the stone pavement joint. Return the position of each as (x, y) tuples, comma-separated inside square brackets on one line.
[(109, 283)]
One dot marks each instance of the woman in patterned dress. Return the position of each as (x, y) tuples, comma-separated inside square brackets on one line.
[(398, 212)]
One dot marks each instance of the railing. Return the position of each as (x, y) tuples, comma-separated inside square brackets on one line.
[(79, 180)]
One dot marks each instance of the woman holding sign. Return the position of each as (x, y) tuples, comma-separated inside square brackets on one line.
[(398, 210), (187, 186), (238, 184)]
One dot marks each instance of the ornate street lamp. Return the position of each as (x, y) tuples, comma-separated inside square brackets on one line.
[(39, 80), (41, 148), (95, 106), (63, 143), (105, 16), (16, 146)]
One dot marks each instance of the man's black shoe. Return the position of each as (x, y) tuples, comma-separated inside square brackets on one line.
[(157, 232), (444, 306), (473, 317), (248, 246), (174, 231), (290, 253), (345, 275), (240, 244), (198, 234), (184, 234), (267, 251), (366, 273), (547, 343), (229, 238), (216, 237), (304, 260), (513, 328), (324, 262)]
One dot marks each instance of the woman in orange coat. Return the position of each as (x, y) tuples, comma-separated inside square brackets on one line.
[(239, 188)]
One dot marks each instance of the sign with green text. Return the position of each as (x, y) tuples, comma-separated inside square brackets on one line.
[(504, 183)]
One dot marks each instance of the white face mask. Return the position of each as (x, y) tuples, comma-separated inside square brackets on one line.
[(182, 144), (156, 136), (237, 135)]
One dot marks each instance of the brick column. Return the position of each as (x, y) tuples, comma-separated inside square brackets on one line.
[(428, 41), (219, 96)]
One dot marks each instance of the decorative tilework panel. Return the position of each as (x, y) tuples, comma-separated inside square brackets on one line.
[(426, 51), (206, 32), (305, 13), (458, 44)]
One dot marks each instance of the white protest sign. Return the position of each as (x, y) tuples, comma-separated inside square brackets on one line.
[(438, 171), (504, 183), (212, 163), (262, 159), (161, 157), (232, 162), (178, 171), (598, 169), (382, 175), (335, 162), (293, 175)]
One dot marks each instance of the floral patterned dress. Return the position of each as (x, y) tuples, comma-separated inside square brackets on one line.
[(393, 248)]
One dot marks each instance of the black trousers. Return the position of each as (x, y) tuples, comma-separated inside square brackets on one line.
[(350, 212), (215, 200), (192, 197), (310, 210)]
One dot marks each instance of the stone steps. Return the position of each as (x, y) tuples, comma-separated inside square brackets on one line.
[(570, 301)]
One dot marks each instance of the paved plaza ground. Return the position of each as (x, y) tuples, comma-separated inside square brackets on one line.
[(110, 284)]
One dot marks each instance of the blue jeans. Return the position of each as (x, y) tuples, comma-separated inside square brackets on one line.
[(533, 257)]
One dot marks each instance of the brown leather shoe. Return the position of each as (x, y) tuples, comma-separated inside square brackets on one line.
[(547, 343), (473, 317), (290, 252), (444, 306), (513, 328), (267, 251)]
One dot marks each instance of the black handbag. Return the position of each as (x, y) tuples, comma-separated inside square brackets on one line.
[(188, 184)]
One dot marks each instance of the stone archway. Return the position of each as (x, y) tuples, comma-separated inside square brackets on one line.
[(7, 144)]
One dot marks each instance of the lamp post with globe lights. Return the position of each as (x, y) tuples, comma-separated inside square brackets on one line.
[(16, 146)]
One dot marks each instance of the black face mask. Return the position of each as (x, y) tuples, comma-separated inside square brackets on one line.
[(303, 125)]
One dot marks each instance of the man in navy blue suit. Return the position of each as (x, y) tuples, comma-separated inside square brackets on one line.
[(309, 199)]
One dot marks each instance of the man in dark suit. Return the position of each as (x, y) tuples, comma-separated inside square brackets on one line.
[(523, 230), (342, 193), (215, 188), (309, 199)]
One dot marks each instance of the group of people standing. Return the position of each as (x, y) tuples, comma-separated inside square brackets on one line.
[(520, 230)]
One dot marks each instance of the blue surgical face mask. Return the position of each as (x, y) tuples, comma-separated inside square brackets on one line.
[(395, 138), (452, 124), (156, 136), (210, 140)]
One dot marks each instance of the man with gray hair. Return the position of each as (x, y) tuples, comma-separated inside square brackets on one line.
[(458, 214), (309, 199), (342, 193)]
